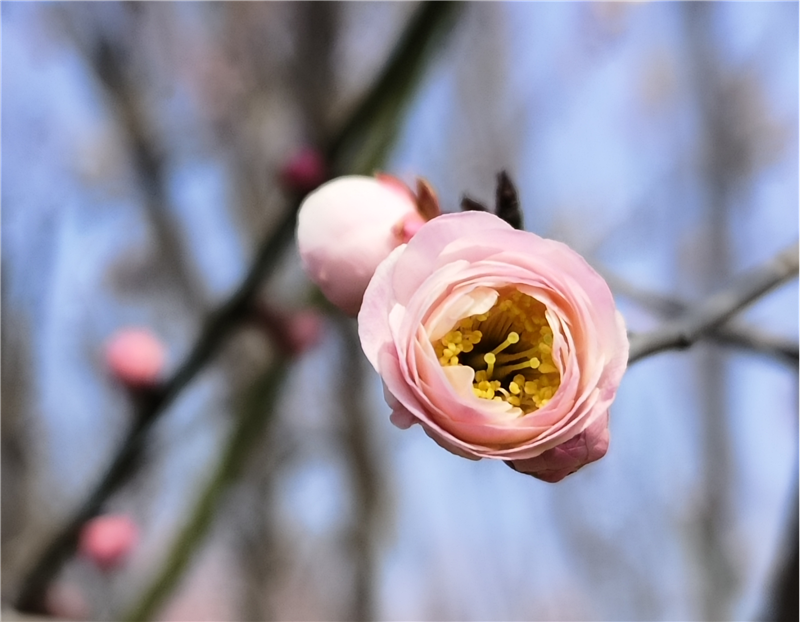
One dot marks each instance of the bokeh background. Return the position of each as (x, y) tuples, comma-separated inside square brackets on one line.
[(142, 145)]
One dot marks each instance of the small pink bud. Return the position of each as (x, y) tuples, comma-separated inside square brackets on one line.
[(66, 600), (304, 331), (304, 171), (107, 540), (135, 357), (347, 227), (294, 333)]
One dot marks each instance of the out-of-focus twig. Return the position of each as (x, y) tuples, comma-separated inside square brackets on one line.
[(717, 308), (258, 411), (358, 142), (107, 61), (732, 333), (783, 601), (365, 475), (396, 79)]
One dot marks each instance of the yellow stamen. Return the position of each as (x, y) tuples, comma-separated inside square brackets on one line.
[(490, 359), (510, 340), (526, 379)]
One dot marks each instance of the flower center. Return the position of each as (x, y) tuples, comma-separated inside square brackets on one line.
[(510, 349)]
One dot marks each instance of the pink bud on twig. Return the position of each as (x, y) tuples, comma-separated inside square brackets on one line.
[(66, 600), (108, 540), (304, 171), (294, 333), (136, 357)]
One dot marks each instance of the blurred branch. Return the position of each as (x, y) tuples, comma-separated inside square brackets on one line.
[(403, 66), (107, 60), (365, 473), (784, 599), (731, 333), (718, 308), (258, 411), (381, 108)]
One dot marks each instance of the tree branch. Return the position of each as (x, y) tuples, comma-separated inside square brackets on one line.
[(717, 308), (732, 333), (258, 411)]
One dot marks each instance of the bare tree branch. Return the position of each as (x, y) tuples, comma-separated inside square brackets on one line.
[(717, 308), (258, 411), (107, 58), (732, 333), (365, 474)]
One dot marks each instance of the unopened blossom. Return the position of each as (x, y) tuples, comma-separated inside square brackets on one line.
[(136, 357), (108, 540), (294, 332), (349, 225), (303, 171), (499, 343), (65, 600)]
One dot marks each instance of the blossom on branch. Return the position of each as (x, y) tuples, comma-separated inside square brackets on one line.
[(108, 540), (499, 343), (304, 171), (349, 225), (136, 357)]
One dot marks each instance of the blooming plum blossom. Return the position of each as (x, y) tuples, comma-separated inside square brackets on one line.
[(499, 343), (136, 357), (107, 540), (349, 225)]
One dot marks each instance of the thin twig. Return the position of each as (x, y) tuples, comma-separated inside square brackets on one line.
[(426, 24), (732, 333), (718, 308), (258, 411), (365, 474), (106, 58)]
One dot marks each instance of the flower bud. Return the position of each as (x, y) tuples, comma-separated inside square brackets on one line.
[(65, 600), (135, 357), (107, 540), (294, 333), (304, 171), (348, 226)]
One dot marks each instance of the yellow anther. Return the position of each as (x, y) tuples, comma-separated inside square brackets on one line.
[(535, 363), (547, 368), (514, 388)]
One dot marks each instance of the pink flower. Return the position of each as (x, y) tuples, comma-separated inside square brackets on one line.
[(348, 226), (136, 357), (499, 343), (107, 540)]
